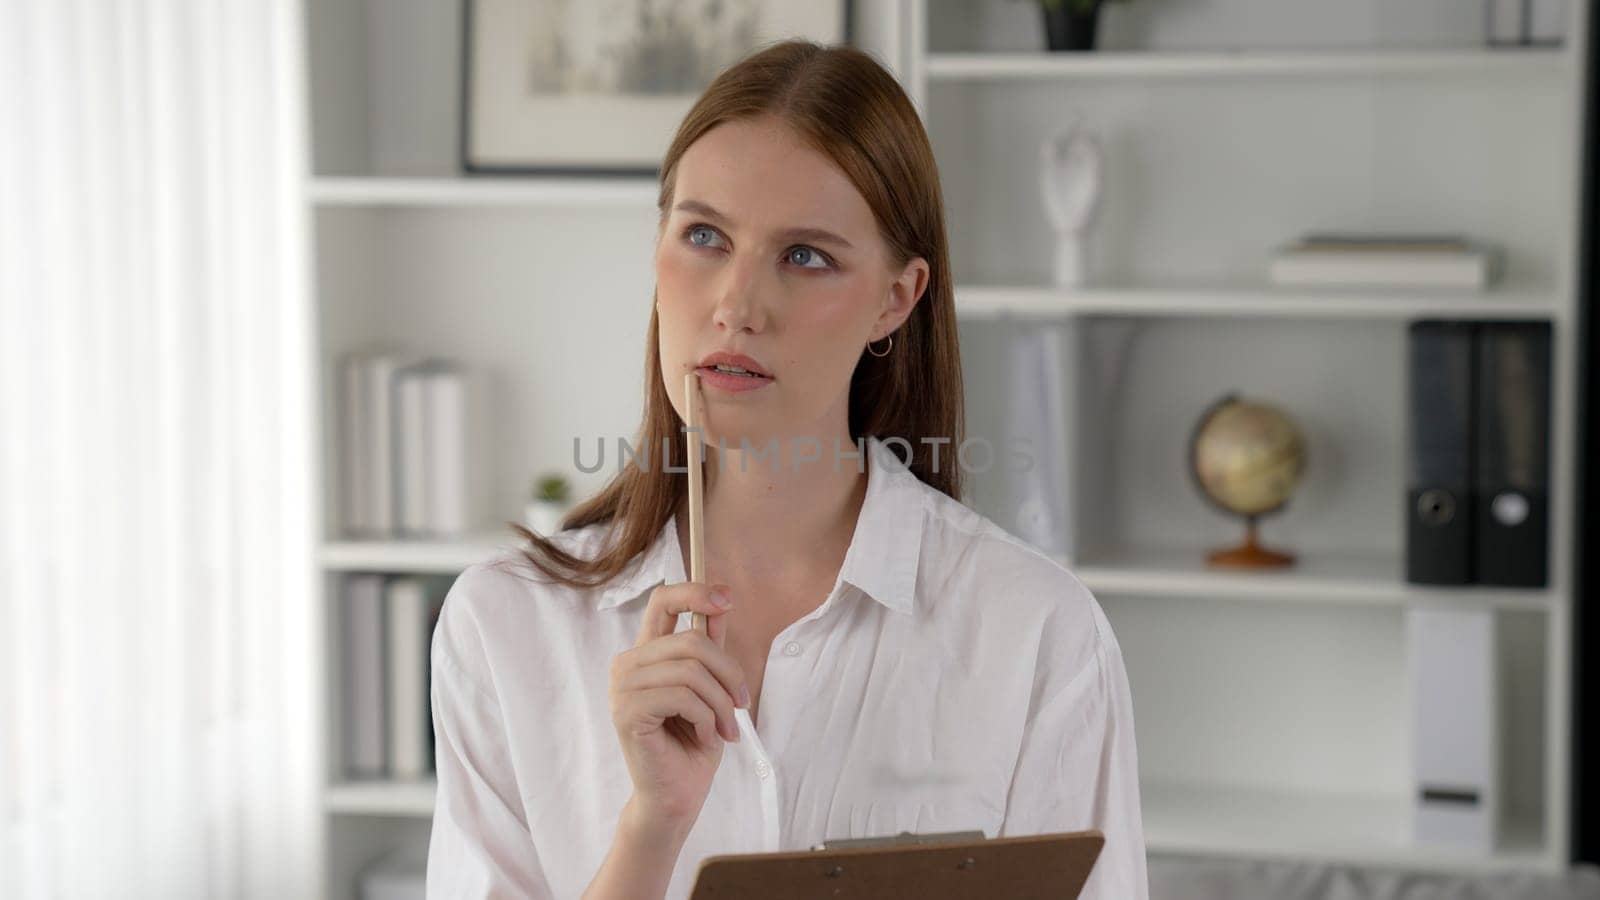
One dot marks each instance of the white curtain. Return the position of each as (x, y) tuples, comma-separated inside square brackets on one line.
[(156, 633)]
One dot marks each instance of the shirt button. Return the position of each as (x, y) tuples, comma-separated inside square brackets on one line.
[(792, 648), (762, 768)]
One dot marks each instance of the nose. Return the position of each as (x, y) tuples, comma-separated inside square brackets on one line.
[(738, 308)]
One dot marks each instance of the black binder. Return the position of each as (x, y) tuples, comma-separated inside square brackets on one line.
[(1440, 501), (1511, 530)]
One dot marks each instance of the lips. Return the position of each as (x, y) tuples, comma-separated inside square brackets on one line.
[(737, 360), (718, 380)]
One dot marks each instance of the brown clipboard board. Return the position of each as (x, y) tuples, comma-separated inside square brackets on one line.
[(1042, 866)]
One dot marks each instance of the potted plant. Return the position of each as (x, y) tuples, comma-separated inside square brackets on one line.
[(547, 504), (1071, 24)]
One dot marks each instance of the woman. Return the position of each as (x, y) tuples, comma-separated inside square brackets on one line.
[(880, 658)]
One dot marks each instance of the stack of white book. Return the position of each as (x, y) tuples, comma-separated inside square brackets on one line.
[(413, 444), (386, 632), (1386, 261)]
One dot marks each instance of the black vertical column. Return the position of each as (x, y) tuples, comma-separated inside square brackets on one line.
[(1586, 594)]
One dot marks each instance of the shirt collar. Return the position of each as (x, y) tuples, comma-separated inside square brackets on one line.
[(884, 550)]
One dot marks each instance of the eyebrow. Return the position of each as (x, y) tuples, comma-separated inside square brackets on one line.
[(817, 235)]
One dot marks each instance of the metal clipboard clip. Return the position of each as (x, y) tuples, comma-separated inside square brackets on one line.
[(904, 837)]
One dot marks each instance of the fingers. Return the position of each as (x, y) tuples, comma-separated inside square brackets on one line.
[(693, 674), (717, 630), (690, 645), (687, 673), (653, 706), (669, 601)]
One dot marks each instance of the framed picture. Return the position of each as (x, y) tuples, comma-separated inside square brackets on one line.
[(598, 87)]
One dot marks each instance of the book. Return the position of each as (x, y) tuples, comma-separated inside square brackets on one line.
[(1337, 241), (412, 446), (408, 661), (414, 456), (1455, 726), (1478, 482), (367, 423), (354, 430), (383, 486), (364, 668), (1423, 261), (1511, 459), (1441, 398), (457, 479), (435, 610)]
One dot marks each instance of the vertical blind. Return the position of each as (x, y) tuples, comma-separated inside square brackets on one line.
[(156, 629)]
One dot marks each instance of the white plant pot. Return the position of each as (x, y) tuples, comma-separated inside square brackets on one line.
[(544, 517)]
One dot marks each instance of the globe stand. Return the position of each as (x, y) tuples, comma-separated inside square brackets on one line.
[(1250, 555)]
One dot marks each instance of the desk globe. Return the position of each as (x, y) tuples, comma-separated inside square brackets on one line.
[(1246, 458)]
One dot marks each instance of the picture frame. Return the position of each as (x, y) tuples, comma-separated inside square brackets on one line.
[(599, 87)]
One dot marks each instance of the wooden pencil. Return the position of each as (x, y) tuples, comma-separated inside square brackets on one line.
[(697, 535)]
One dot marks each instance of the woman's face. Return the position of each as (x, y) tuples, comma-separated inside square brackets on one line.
[(769, 251)]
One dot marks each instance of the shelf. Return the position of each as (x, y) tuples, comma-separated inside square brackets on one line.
[(1299, 681), (1119, 64), (576, 191), (994, 301), (1357, 578), (381, 798), (1355, 828), (1208, 821), (1354, 578), (425, 556)]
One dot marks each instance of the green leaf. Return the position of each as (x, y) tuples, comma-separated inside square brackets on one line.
[(552, 488)]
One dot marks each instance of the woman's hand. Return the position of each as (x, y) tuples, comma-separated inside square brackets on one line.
[(672, 702)]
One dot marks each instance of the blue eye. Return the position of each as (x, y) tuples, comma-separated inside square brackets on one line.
[(810, 253), (688, 232), (821, 258)]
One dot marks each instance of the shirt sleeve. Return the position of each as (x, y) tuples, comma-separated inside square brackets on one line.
[(480, 845), (1077, 769)]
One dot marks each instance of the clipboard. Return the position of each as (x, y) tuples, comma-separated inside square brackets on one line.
[(928, 867)]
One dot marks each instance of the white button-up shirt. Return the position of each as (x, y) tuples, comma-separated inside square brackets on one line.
[(954, 679)]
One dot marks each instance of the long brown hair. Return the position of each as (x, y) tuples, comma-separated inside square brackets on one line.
[(849, 108)]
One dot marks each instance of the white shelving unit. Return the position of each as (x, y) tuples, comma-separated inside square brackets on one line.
[(411, 556), (532, 278), (1367, 828), (1249, 300), (1357, 578), (598, 193), (1270, 709), (1315, 61), (377, 798)]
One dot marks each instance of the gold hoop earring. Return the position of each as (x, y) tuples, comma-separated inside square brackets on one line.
[(885, 350)]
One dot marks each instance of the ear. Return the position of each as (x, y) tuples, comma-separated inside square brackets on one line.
[(904, 294)]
